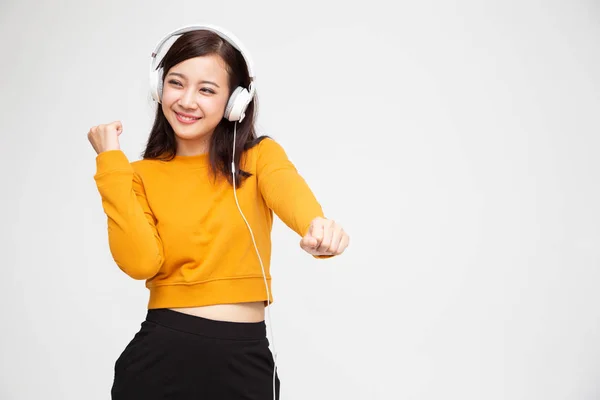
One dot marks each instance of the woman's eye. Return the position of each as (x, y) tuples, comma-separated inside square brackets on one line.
[(204, 90)]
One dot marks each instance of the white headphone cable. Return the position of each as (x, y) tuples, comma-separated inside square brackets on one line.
[(259, 259)]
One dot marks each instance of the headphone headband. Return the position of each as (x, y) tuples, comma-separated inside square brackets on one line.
[(229, 37)]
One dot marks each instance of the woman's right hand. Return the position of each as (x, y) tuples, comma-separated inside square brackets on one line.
[(105, 137)]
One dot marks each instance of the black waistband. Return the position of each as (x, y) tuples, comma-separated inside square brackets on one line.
[(207, 327)]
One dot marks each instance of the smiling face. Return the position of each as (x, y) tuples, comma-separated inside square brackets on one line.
[(194, 96)]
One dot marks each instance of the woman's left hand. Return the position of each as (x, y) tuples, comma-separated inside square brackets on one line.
[(325, 237)]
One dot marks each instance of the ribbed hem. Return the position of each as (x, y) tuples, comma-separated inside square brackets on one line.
[(223, 291)]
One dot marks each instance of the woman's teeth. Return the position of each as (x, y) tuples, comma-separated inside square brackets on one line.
[(187, 118)]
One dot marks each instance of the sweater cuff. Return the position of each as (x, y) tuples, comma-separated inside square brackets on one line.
[(112, 160)]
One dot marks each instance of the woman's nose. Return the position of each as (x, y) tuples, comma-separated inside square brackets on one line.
[(187, 99)]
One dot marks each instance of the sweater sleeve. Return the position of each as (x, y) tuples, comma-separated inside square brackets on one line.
[(284, 189), (132, 235)]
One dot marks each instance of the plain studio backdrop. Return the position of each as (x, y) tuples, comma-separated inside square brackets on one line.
[(456, 142)]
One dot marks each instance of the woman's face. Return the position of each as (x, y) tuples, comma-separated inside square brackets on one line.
[(195, 93)]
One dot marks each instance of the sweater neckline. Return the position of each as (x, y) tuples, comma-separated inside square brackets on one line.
[(199, 160), (195, 159)]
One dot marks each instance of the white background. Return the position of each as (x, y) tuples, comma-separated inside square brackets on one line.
[(456, 142)]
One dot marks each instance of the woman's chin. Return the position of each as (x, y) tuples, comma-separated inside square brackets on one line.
[(190, 135)]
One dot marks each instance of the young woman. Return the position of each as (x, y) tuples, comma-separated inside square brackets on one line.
[(193, 219)]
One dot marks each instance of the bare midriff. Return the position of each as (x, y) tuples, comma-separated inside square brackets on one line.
[(240, 312)]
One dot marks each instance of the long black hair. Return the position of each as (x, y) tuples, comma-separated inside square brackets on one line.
[(161, 142)]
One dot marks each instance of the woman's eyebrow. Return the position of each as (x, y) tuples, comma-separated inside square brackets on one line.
[(184, 77)]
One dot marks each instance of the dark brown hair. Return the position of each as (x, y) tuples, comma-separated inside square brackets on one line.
[(161, 142)]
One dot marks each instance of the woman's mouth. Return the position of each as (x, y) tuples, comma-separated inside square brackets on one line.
[(185, 120)]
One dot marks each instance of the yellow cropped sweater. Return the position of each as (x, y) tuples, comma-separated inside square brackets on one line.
[(172, 225)]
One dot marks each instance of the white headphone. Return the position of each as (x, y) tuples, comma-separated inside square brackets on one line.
[(240, 97)]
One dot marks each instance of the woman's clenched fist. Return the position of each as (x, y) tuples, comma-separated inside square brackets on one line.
[(325, 237), (105, 137)]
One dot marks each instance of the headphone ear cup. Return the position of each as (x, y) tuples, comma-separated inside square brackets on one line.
[(156, 84), (237, 104), (159, 84), (231, 103)]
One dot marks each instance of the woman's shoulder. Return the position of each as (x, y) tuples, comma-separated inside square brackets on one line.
[(144, 164), (259, 142), (265, 147), (146, 168), (261, 151)]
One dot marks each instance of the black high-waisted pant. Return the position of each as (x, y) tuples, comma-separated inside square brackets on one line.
[(180, 357)]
